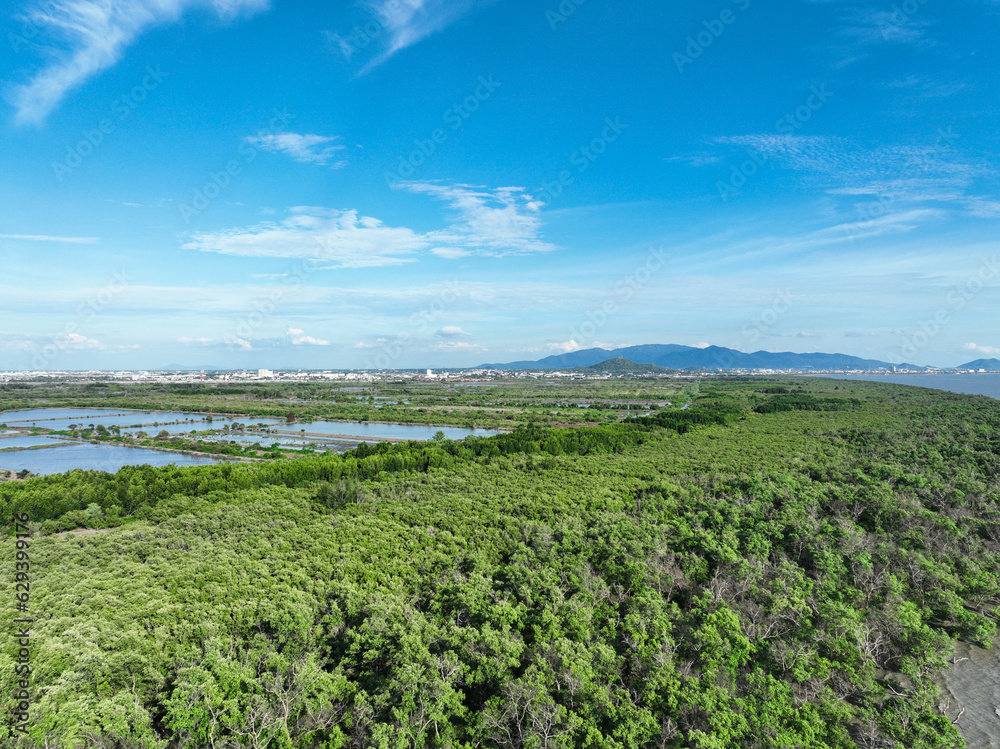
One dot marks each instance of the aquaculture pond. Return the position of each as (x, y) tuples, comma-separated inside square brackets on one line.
[(93, 458), (371, 430), (8, 443)]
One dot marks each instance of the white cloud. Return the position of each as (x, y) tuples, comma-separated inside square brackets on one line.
[(703, 344), (695, 159), (885, 170), (306, 148), (49, 238), (880, 181), (299, 338), (452, 331), (495, 222), (77, 341), (449, 253), (983, 207), (457, 346), (987, 350), (563, 348), (500, 222), (203, 341), (89, 36), (872, 27), (341, 238), (864, 30), (403, 23), (379, 342)]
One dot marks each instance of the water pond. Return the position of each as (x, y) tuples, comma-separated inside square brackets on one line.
[(384, 431), (66, 457), (151, 423), (93, 457), (266, 440), (7, 443), (59, 413)]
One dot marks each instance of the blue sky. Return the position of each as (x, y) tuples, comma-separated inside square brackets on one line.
[(428, 183)]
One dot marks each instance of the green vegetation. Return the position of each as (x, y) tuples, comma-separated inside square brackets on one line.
[(619, 367), (500, 404), (784, 564)]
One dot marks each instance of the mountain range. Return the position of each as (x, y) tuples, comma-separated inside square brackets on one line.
[(674, 356), (990, 365)]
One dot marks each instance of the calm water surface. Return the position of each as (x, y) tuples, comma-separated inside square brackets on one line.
[(94, 458), (386, 431), (972, 384), (66, 457), (266, 440), (147, 422), (7, 443), (59, 413)]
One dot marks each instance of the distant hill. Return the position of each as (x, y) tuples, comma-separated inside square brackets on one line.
[(990, 365), (620, 366), (674, 356), (591, 356)]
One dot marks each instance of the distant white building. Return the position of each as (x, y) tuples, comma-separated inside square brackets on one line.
[(265, 374)]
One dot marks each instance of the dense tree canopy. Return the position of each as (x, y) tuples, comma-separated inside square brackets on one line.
[(780, 565)]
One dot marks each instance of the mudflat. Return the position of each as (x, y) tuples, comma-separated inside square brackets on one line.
[(972, 685)]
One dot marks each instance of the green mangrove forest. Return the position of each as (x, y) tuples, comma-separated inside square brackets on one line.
[(700, 563)]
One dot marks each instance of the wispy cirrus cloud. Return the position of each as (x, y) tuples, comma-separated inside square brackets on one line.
[(495, 222), (399, 24), (85, 37), (306, 148), (863, 30), (899, 177), (499, 222), (50, 238)]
